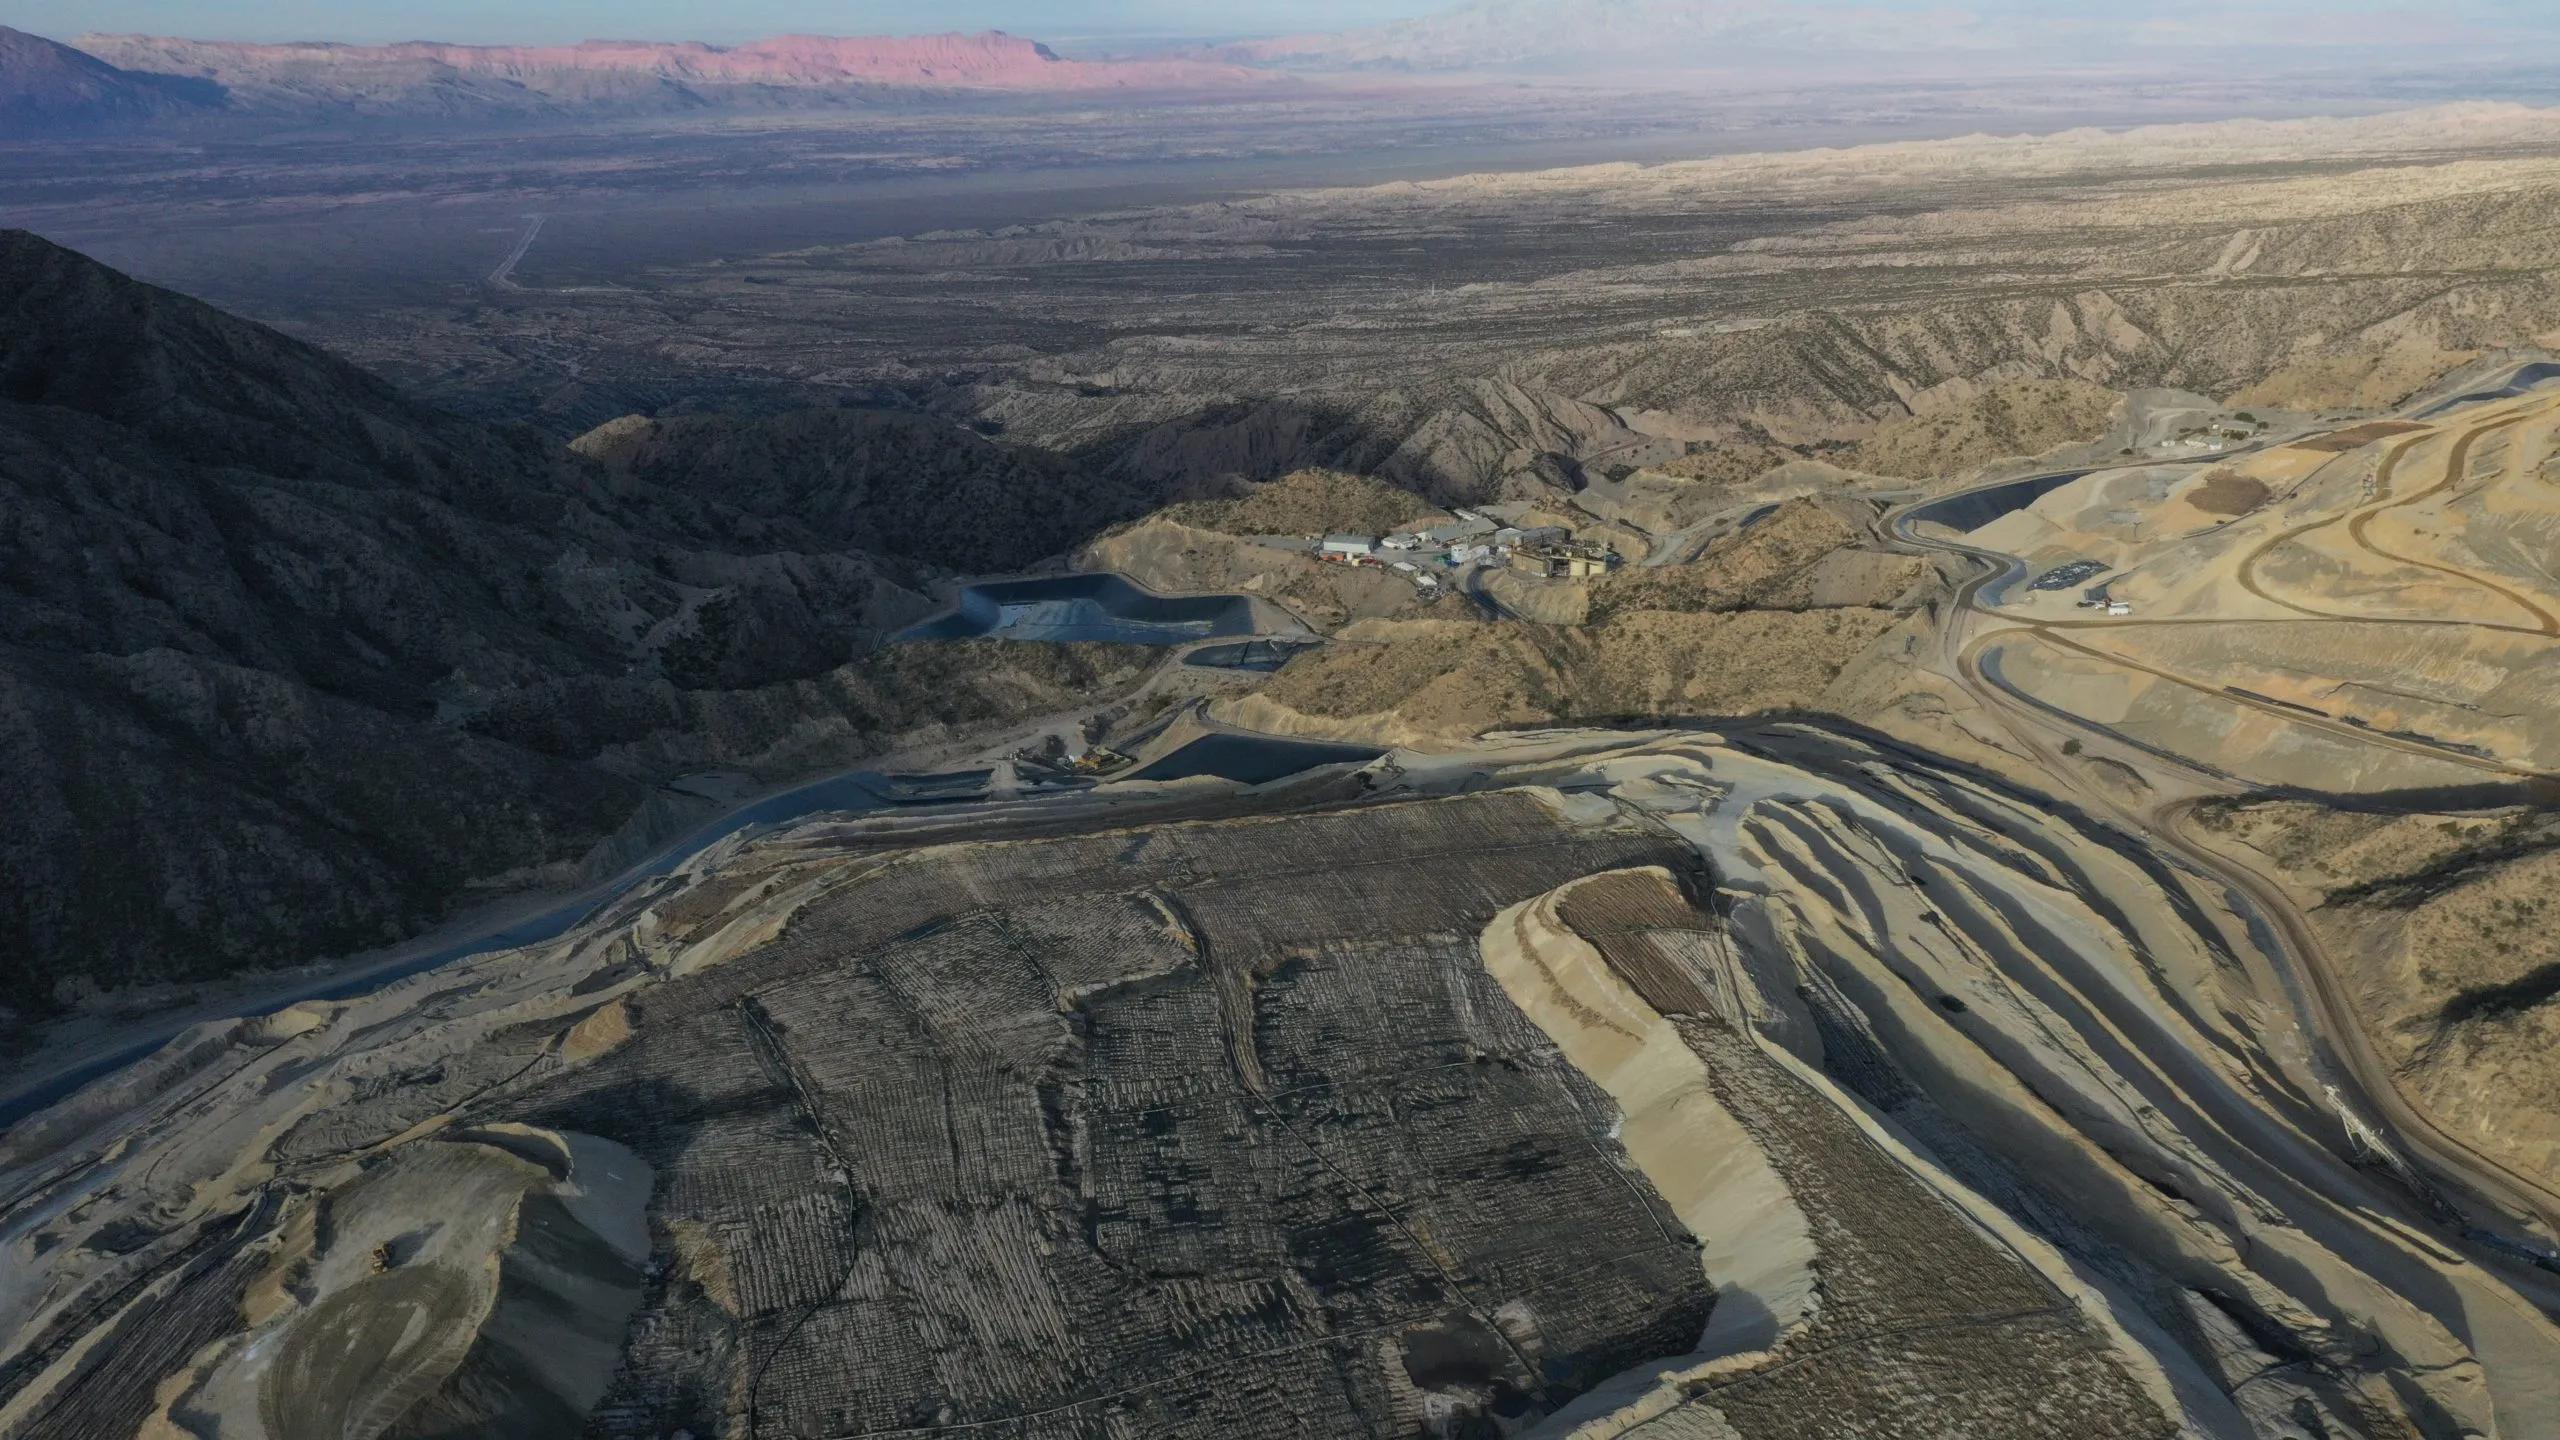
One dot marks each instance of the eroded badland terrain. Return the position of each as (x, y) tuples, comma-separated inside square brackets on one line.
[(1892, 792)]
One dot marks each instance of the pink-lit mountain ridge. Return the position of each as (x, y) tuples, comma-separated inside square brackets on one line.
[(422, 79)]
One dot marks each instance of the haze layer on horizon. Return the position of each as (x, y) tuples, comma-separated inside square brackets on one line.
[(565, 21), (2200, 22)]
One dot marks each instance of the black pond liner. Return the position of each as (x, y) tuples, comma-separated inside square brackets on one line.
[(2529, 377), (1265, 655), (1974, 509), (1101, 606), (1253, 759)]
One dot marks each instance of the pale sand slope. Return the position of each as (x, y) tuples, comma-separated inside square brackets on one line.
[(1758, 1247), (1991, 952), (1707, 1162)]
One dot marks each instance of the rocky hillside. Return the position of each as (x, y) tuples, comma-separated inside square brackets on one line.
[(1773, 564), (1995, 422), (2443, 927), (1914, 309), (899, 484), (1306, 503), (287, 660), (1438, 680)]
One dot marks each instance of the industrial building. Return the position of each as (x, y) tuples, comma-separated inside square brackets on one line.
[(1456, 531), (1564, 560)]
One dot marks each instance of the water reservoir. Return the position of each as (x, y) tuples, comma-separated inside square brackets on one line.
[(1100, 606)]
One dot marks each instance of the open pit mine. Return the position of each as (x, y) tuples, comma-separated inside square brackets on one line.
[(1661, 1083), (1967, 854)]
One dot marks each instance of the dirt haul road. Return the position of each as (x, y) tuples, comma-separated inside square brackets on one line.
[(2358, 524), (2040, 730)]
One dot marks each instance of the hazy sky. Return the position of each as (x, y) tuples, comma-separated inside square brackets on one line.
[(557, 20), (732, 20)]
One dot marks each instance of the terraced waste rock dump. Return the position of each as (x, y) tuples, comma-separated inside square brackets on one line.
[(479, 1283), (1848, 1273), (1757, 1083)]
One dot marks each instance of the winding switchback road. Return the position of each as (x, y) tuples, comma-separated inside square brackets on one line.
[(2041, 730)]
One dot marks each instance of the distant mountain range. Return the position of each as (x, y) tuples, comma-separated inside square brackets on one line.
[(47, 87), (1646, 34), (112, 81), (1652, 36), (104, 82)]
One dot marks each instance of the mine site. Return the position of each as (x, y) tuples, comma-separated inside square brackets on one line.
[(1597, 718)]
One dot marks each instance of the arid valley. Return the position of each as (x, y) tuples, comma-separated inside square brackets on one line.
[(835, 738)]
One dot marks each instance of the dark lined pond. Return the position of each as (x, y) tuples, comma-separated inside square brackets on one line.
[(1252, 759), (1100, 606), (1248, 654), (2525, 377)]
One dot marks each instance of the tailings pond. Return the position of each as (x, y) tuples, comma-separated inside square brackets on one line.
[(1971, 510), (1253, 759), (1100, 606), (1263, 655), (2524, 378)]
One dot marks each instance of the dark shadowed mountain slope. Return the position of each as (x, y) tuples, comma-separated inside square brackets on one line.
[(287, 659), (906, 485), (49, 89)]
